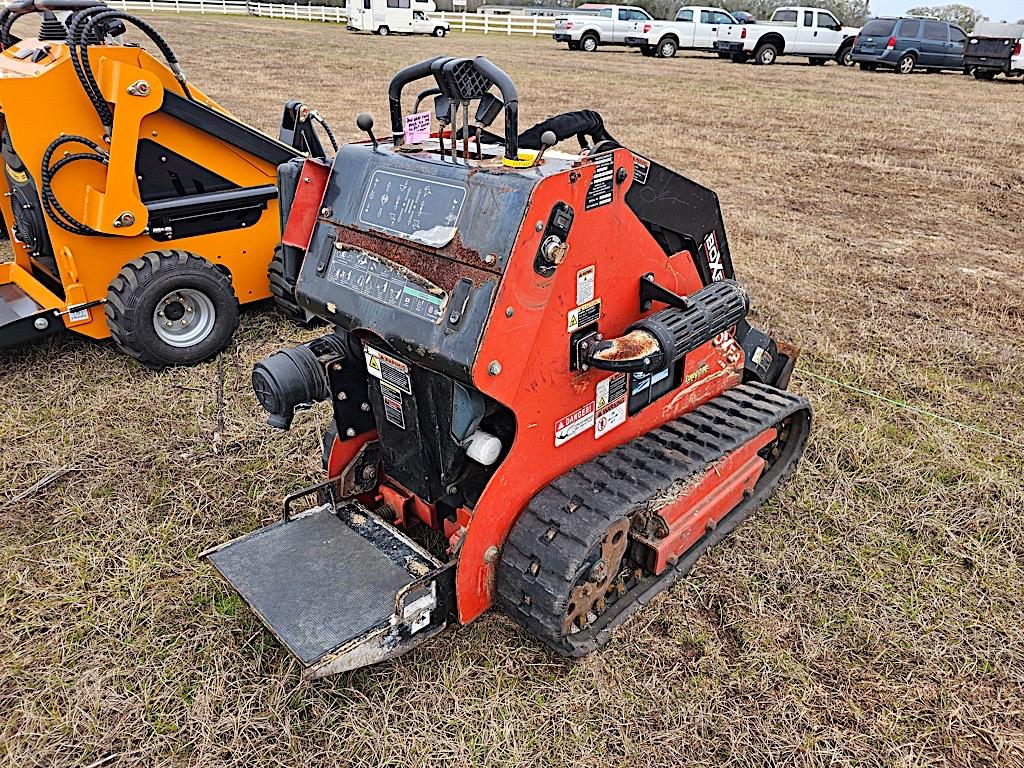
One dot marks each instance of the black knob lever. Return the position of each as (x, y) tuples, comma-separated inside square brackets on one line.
[(364, 122)]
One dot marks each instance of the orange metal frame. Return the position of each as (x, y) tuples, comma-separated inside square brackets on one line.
[(42, 100)]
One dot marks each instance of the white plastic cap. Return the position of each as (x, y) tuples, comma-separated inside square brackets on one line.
[(483, 448)]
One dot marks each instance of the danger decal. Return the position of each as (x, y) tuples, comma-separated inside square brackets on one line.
[(575, 424)]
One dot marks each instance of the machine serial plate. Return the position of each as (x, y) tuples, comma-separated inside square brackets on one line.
[(372, 276), (415, 208)]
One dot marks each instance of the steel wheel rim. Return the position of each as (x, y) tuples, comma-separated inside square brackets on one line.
[(666, 50), (184, 317), (589, 45), (768, 56)]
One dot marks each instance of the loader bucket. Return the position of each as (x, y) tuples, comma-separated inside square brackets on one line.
[(338, 586), (28, 311)]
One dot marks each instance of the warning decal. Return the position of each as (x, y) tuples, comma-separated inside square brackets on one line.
[(387, 368), (585, 285), (393, 405), (584, 315), (611, 404), (603, 183), (641, 167), (576, 423)]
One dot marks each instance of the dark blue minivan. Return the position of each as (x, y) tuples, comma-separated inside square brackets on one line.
[(910, 43)]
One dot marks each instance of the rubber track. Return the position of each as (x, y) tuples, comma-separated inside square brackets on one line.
[(565, 521), (282, 288)]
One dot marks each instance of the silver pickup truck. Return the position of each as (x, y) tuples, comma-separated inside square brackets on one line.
[(592, 25)]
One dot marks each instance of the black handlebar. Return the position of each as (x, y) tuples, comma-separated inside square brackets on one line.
[(450, 74)]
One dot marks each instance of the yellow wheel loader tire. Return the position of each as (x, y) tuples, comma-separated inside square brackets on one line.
[(171, 308)]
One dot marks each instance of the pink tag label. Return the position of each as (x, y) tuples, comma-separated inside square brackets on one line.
[(417, 128)]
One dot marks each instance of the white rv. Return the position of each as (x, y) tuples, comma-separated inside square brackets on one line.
[(386, 17)]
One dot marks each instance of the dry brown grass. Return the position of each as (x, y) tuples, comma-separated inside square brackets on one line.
[(871, 615)]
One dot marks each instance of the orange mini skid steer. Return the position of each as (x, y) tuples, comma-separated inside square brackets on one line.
[(137, 206), (546, 393)]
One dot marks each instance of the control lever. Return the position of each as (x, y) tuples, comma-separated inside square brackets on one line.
[(445, 111), (364, 122), (547, 140), (487, 112)]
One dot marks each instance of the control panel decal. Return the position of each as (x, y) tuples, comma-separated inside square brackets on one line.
[(387, 283), (413, 207)]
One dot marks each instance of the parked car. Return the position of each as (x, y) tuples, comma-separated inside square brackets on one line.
[(792, 31), (598, 25), (907, 43), (995, 47), (695, 28), (742, 17)]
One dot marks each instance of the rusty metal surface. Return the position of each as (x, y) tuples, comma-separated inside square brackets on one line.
[(589, 596), (635, 345)]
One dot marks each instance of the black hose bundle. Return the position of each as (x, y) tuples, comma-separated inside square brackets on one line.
[(58, 215), (86, 27)]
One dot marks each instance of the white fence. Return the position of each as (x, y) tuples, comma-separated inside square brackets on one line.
[(486, 23)]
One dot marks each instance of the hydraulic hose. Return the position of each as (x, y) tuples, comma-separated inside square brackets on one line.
[(54, 210), (87, 27)]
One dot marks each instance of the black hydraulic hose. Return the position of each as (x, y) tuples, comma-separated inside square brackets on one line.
[(8, 16), (57, 213), (150, 32), (327, 130), (75, 30)]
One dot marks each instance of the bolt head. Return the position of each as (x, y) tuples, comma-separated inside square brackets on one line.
[(491, 555), (509, 312), (539, 226), (40, 323), (364, 407), (494, 368), (350, 432), (342, 396)]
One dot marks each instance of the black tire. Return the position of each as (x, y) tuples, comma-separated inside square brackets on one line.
[(739, 58), (383, 31), (906, 64), (589, 43), (178, 280), (984, 74), (766, 54), (868, 67), (440, 32), (647, 50), (817, 62), (844, 56), (667, 48), (574, 46)]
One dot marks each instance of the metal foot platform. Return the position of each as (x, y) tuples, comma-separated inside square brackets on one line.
[(340, 588)]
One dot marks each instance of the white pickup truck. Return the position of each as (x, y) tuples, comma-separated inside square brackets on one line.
[(792, 31), (599, 25), (695, 28)]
